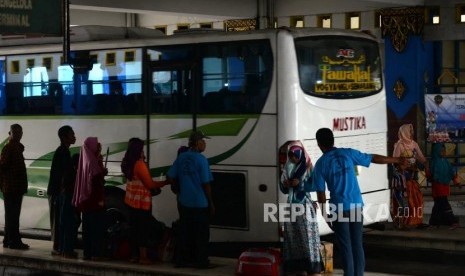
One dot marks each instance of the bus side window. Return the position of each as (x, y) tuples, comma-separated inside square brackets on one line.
[(14, 98), (40, 105), (212, 102), (133, 103)]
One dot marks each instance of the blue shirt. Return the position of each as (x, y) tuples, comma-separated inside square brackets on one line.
[(336, 168), (191, 171)]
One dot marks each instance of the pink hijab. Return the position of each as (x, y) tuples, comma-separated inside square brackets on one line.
[(88, 167)]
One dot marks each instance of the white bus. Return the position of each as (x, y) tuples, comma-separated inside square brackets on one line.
[(251, 92)]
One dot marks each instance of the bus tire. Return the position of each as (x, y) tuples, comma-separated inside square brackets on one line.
[(115, 207)]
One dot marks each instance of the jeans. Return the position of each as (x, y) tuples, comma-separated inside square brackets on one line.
[(349, 235)]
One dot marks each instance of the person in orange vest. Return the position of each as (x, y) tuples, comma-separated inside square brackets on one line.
[(138, 197)]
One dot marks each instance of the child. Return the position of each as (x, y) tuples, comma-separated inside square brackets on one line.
[(441, 174)]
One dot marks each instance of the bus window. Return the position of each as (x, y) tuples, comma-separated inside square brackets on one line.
[(235, 77), (231, 78), (171, 79), (338, 67), (55, 88), (165, 91)]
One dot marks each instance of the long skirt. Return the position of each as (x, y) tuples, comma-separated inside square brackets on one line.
[(399, 208), (442, 213), (301, 247), (414, 213)]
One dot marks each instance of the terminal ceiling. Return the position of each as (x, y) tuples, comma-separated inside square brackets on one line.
[(239, 8)]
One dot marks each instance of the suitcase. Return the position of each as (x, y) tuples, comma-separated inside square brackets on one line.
[(259, 262)]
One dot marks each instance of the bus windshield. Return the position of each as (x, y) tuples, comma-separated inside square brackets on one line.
[(339, 67)]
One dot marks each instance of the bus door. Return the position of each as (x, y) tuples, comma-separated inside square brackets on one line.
[(171, 88)]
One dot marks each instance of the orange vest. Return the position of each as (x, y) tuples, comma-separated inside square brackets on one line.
[(137, 195)]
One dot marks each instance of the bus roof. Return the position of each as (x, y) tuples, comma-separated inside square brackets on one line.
[(84, 33), (101, 37)]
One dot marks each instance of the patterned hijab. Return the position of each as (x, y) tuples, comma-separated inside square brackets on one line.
[(88, 167), (301, 167), (300, 170), (441, 169)]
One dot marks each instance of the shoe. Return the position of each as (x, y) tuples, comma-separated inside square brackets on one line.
[(55, 253), (70, 255), (422, 226), (205, 266), (182, 265), (99, 259), (145, 262), (454, 226), (19, 246), (134, 260)]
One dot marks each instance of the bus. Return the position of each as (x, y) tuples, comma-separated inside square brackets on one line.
[(252, 92)]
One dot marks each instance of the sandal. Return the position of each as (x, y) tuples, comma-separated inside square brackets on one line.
[(145, 262), (454, 226), (134, 260)]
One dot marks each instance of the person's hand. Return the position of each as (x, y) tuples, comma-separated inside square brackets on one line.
[(286, 183), (295, 182), (163, 183), (175, 188), (403, 162)]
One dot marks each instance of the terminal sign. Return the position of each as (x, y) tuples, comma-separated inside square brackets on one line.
[(31, 17)]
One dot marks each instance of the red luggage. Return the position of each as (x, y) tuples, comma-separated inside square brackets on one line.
[(259, 262)]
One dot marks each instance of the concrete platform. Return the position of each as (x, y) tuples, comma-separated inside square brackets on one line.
[(38, 259), (441, 238), (413, 250)]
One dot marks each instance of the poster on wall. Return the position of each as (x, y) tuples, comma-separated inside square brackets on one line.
[(445, 117)]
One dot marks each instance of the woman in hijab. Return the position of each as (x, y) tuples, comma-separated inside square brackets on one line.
[(407, 147), (138, 198), (301, 248), (441, 174), (88, 197)]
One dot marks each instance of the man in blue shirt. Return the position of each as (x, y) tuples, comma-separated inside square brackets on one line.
[(336, 168), (191, 173)]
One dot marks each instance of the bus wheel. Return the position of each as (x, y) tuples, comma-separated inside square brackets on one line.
[(114, 204)]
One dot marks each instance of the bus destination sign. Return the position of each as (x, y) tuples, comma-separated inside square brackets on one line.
[(345, 74)]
